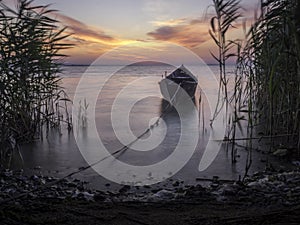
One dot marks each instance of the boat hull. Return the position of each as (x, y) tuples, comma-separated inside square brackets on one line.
[(174, 92)]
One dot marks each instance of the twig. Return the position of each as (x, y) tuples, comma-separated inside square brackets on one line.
[(255, 138)]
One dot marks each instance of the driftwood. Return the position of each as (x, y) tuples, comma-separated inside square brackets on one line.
[(215, 180)]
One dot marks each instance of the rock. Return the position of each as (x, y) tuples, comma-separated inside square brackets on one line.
[(228, 190), (71, 184), (164, 195), (43, 181), (34, 178), (37, 168), (263, 189), (33, 196), (215, 179), (221, 198), (214, 185), (281, 152), (124, 189), (180, 190), (61, 197), (297, 189), (242, 193), (296, 163), (69, 192), (197, 191), (17, 203), (88, 196), (176, 183), (80, 187), (156, 190), (53, 187), (19, 172), (99, 197), (8, 173)]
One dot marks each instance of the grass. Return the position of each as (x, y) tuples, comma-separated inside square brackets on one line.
[(31, 97), (226, 15), (273, 49), (266, 85)]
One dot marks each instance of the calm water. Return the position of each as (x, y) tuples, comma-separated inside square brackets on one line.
[(59, 155)]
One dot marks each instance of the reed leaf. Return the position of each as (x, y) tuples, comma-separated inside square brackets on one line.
[(31, 42)]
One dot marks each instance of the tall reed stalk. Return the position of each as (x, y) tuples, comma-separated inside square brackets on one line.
[(275, 53), (267, 80), (30, 45), (227, 12)]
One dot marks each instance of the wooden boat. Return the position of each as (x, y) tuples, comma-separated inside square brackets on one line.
[(178, 85)]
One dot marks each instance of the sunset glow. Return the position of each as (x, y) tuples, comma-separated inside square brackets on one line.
[(97, 26)]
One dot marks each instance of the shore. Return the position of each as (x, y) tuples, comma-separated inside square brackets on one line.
[(208, 213), (264, 198)]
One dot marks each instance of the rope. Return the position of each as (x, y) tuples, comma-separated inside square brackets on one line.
[(81, 169)]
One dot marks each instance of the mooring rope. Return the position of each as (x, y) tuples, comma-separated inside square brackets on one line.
[(126, 147), (81, 169)]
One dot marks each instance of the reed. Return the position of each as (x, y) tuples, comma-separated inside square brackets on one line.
[(273, 49), (226, 14), (266, 85), (31, 96)]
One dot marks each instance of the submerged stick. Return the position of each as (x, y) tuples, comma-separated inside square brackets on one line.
[(255, 138)]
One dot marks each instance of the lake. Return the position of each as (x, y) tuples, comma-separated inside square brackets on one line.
[(58, 153)]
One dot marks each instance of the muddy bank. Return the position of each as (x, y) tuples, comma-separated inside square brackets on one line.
[(82, 212), (266, 197)]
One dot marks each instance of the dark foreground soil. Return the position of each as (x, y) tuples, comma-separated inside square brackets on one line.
[(75, 212), (265, 198)]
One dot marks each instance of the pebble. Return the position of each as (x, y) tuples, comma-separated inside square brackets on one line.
[(176, 183), (296, 163), (261, 188), (280, 152), (124, 189)]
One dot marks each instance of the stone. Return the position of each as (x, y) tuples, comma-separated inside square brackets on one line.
[(296, 163), (281, 152), (176, 183), (214, 185), (99, 197), (34, 177), (164, 194), (124, 189), (88, 196)]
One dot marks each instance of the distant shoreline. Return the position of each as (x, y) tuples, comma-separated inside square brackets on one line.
[(162, 64)]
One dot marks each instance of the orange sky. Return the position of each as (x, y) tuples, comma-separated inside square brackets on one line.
[(101, 25)]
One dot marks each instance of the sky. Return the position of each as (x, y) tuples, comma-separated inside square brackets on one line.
[(98, 26)]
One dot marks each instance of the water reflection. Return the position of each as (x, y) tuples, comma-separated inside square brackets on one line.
[(58, 152)]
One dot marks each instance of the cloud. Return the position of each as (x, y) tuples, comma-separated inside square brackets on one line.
[(173, 22), (84, 32), (89, 42), (189, 33)]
